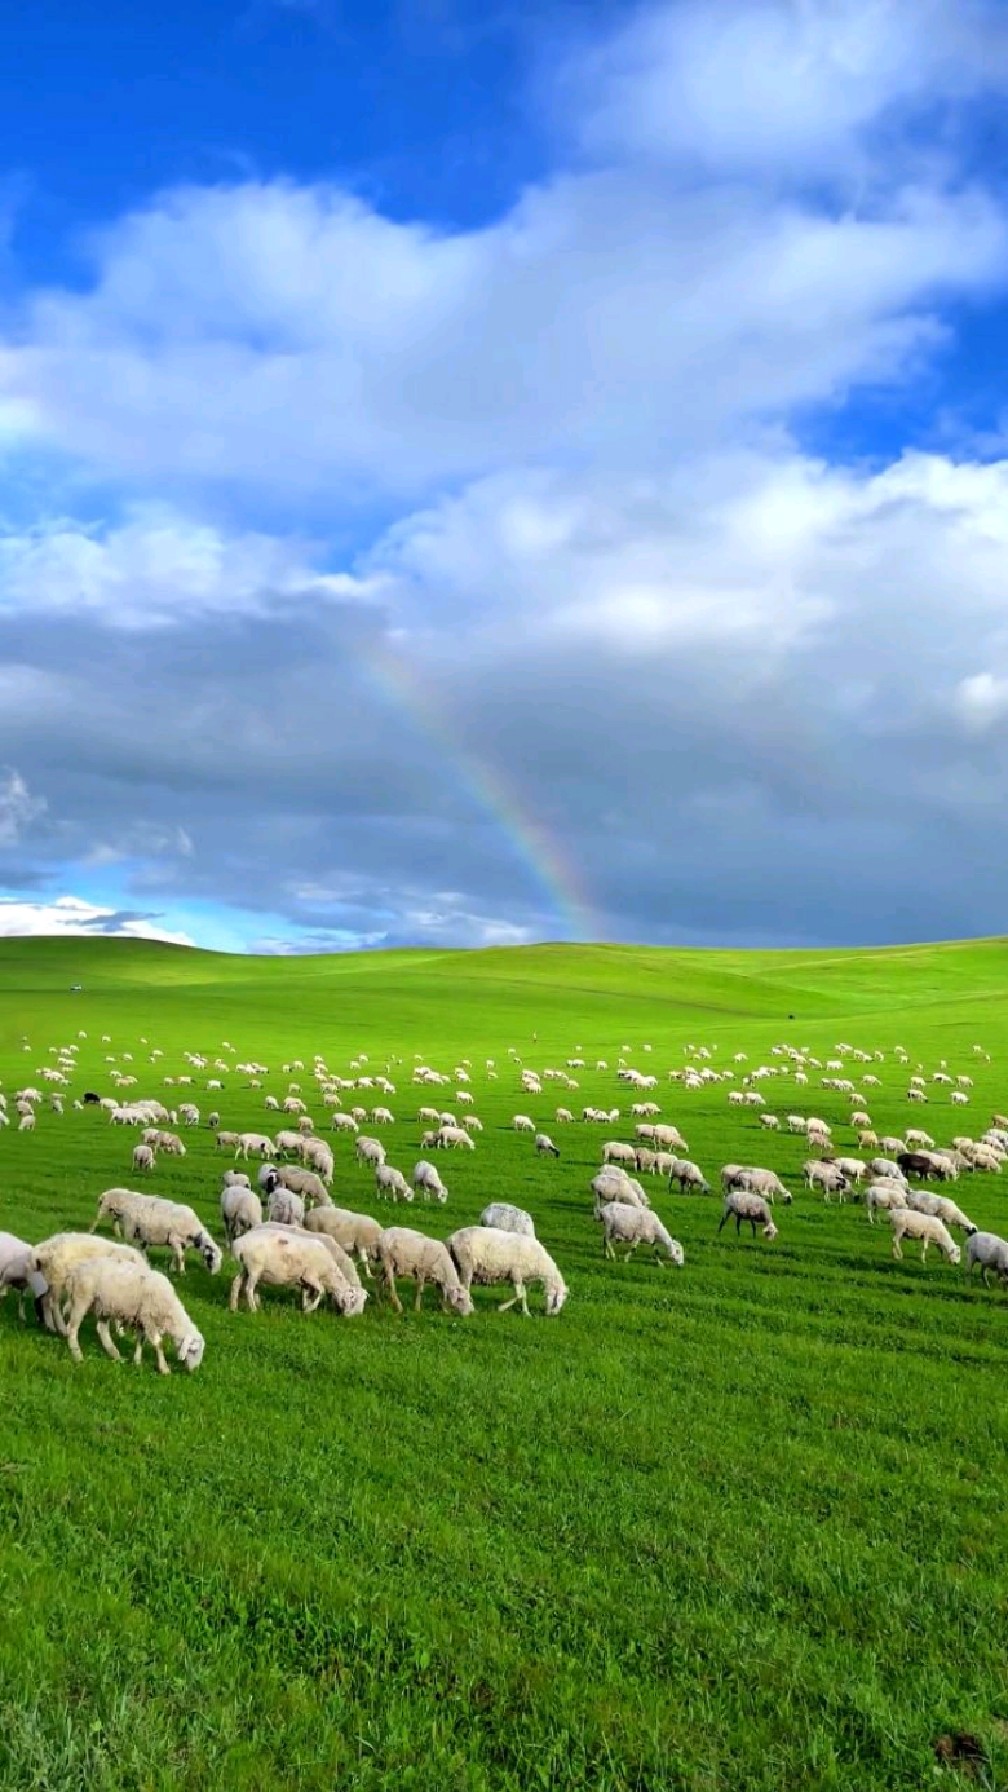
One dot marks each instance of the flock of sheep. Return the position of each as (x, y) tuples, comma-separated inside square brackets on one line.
[(302, 1240)]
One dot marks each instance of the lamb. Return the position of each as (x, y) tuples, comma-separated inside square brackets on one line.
[(137, 1298), (389, 1181), (925, 1226), (740, 1204), (427, 1181), (544, 1145), (637, 1225), (53, 1262), (285, 1207), (688, 1175), (921, 1201), (285, 1258), (241, 1211), (453, 1138), (403, 1252), (148, 1220), (15, 1269), (356, 1232), (991, 1252), (502, 1217), (485, 1254), (886, 1195), (143, 1157)]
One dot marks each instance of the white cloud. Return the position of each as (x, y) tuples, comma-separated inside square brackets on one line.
[(74, 916), (18, 808), (982, 700)]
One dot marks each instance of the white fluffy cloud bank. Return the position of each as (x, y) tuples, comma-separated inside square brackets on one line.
[(731, 687)]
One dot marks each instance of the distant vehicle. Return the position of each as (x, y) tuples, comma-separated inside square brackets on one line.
[(75, 988)]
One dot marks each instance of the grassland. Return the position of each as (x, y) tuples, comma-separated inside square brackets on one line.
[(741, 1525)]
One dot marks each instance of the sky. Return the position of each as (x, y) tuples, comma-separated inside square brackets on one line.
[(476, 474)]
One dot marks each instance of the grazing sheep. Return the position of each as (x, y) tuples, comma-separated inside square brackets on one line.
[(343, 1123), (767, 1183), (355, 1232), (391, 1182), (26, 1123), (136, 1298), (502, 1217), (522, 1123), (485, 1254), (991, 1252), (615, 1152), (613, 1184), (53, 1262), (886, 1195), (305, 1183), (921, 1201), (638, 1225), (688, 1175), (739, 1205), (143, 1157), (828, 1177), (284, 1258), (564, 1117), (285, 1207), (241, 1211), (170, 1143), (254, 1141), (544, 1145), (420, 1259), (851, 1167), (452, 1138), (427, 1181), (15, 1269), (925, 1226), (148, 1220)]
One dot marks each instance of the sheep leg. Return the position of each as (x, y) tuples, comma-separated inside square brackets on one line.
[(236, 1287), (924, 1246), (419, 1294), (138, 1352), (607, 1246), (105, 1340), (393, 1296), (753, 1225), (178, 1246), (250, 1293), (896, 1250), (724, 1218), (154, 1340), (71, 1334), (631, 1251)]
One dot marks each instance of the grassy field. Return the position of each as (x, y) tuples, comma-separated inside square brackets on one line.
[(737, 1525)]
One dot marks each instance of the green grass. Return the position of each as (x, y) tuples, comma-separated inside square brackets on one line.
[(740, 1525)]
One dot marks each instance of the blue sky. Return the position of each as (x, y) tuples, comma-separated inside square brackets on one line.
[(473, 475)]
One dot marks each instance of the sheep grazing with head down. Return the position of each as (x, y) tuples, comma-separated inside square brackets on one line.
[(991, 1252), (143, 1157), (405, 1253), (886, 1195), (922, 1201), (427, 1181), (927, 1227), (15, 1269), (391, 1183), (486, 1255), (634, 1226), (357, 1233), (740, 1204), (138, 1299), (147, 1220), (53, 1262), (285, 1208), (284, 1258), (241, 1210), (544, 1145)]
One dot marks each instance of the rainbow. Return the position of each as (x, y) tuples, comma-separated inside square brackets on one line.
[(553, 875)]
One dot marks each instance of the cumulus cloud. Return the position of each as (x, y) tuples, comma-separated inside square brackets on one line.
[(76, 917), (18, 808)]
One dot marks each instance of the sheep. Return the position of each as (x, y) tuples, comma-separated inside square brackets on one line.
[(143, 1157), (544, 1145), (867, 1139), (991, 1252), (285, 1207), (343, 1123), (452, 1138), (614, 1152), (885, 1167), (564, 1117), (757, 1181), (688, 1175), (523, 1123), (403, 1252), (921, 1201), (285, 1258), (427, 1181), (170, 1143), (305, 1183), (770, 1121), (927, 1227), (634, 1226), (389, 1181), (356, 1232), (502, 1217), (54, 1260), (614, 1184), (485, 1254), (255, 1141), (26, 1123), (886, 1195), (137, 1298), (241, 1210), (851, 1167), (739, 1205), (148, 1220), (15, 1269)]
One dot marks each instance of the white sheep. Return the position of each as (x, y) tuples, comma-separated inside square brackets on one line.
[(427, 1181), (306, 1183), (420, 1259), (635, 1226), (138, 1299), (504, 1218), (523, 1123), (391, 1182), (740, 1204), (687, 1174), (922, 1201), (15, 1269), (53, 1262), (544, 1145), (453, 1138), (285, 1258), (925, 1226), (991, 1252), (285, 1207), (485, 1254), (885, 1195), (241, 1210), (356, 1232), (148, 1220)]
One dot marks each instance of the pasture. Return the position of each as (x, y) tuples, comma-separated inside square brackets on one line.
[(739, 1525)]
